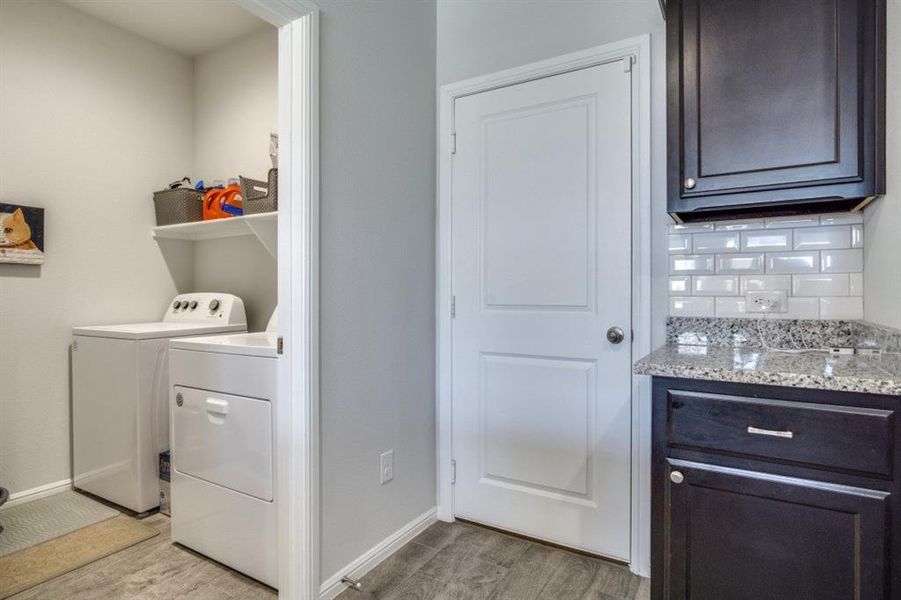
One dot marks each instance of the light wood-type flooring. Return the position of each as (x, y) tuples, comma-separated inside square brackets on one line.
[(447, 561)]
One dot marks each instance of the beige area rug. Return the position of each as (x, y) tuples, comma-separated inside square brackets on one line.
[(40, 563)]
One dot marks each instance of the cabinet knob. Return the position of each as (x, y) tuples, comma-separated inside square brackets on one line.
[(179, 399), (690, 183), (676, 477)]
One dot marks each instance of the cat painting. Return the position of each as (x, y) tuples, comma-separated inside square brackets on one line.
[(21, 234)]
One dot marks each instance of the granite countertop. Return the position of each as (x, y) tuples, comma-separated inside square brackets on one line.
[(877, 374)]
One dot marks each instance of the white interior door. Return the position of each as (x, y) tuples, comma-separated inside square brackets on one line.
[(541, 269)]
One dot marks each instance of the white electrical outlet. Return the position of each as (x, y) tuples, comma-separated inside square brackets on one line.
[(766, 302), (386, 466)]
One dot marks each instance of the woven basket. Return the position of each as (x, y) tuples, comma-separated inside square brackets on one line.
[(181, 205), (260, 196)]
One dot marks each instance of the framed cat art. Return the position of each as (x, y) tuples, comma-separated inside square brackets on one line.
[(21, 234)]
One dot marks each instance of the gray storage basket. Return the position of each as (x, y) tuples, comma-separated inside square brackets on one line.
[(181, 205), (260, 196)]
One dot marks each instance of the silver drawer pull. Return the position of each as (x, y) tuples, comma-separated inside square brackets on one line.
[(782, 434)]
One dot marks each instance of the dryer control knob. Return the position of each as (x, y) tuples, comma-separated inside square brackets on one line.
[(177, 304), (193, 304), (214, 304)]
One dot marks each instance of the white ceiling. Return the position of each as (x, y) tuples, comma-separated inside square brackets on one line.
[(189, 27)]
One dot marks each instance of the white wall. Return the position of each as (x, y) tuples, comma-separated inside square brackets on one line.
[(92, 119), (377, 270), (882, 219), (476, 38), (235, 109)]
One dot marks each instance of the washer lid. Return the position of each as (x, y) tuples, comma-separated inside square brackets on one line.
[(155, 329), (261, 343)]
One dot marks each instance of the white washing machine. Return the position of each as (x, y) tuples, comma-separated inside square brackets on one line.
[(223, 454), (120, 396)]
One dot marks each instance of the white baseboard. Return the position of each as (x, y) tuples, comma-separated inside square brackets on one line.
[(375, 555), (41, 491)]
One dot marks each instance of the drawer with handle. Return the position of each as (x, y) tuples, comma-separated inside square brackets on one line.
[(823, 435)]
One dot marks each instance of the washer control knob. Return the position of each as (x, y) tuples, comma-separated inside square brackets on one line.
[(177, 304), (193, 304), (214, 304)]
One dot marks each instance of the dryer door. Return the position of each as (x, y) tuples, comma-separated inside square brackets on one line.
[(223, 439)]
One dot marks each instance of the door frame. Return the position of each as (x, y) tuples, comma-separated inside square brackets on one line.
[(635, 53), (296, 415)]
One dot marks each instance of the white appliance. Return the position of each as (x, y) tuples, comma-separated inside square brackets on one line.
[(223, 454), (120, 396)]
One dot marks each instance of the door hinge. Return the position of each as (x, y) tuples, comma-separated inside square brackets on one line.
[(627, 63), (280, 345), (453, 472), (453, 307), (453, 142)]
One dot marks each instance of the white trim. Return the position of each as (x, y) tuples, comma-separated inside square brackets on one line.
[(278, 12), (297, 412), (42, 491), (375, 555), (639, 48)]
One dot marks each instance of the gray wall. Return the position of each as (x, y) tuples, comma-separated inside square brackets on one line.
[(377, 270), (476, 38)]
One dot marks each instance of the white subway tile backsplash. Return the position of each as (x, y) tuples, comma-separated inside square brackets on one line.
[(767, 239), (680, 285), (841, 219), (841, 308), (715, 242), (822, 284), (765, 283), (689, 227), (815, 264), (841, 261), (799, 308), (855, 281), (680, 242), (793, 262), (738, 264), (823, 238), (714, 285), (740, 225), (691, 307), (779, 222), (857, 236), (734, 308), (691, 264)]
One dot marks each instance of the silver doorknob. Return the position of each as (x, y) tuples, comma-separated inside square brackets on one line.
[(615, 335), (676, 477), (179, 399), (690, 183)]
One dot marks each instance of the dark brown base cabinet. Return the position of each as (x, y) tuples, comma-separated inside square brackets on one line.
[(774, 493)]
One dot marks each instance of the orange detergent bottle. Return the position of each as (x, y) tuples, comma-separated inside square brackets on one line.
[(232, 202), (221, 203)]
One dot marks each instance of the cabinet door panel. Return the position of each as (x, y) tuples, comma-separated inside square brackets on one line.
[(770, 93), (745, 535)]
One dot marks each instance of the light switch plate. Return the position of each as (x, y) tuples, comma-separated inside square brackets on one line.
[(766, 302), (386, 467)]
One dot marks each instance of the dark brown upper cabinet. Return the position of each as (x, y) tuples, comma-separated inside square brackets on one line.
[(774, 106)]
